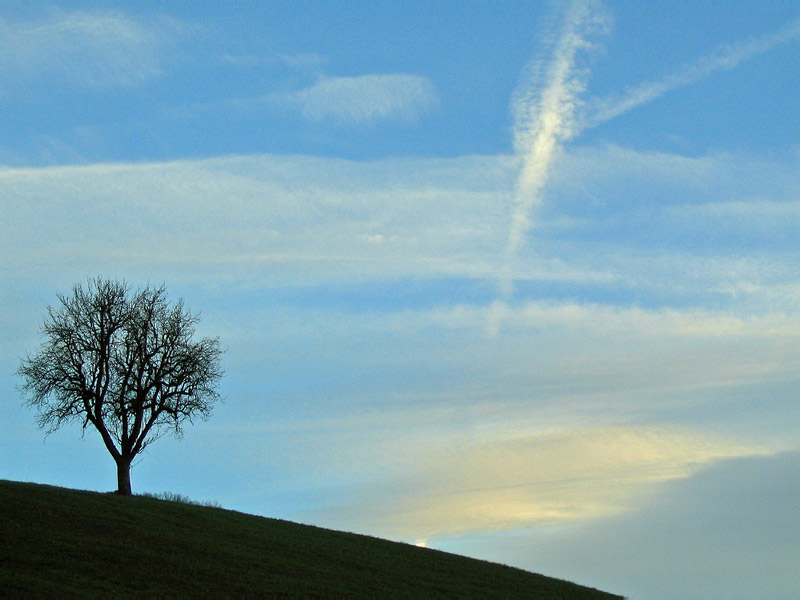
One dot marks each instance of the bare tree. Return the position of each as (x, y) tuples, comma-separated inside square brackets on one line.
[(124, 362)]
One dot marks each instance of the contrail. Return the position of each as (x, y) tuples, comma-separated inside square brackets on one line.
[(725, 57), (544, 107)]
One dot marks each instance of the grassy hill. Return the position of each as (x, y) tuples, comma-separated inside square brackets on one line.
[(60, 542)]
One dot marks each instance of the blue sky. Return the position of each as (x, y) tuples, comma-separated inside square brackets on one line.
[(517, 281)]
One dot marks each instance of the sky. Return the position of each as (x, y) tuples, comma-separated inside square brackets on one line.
[(517, 280)]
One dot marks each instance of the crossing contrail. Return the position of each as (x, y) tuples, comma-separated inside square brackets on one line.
[(725, 57), (548, 111)]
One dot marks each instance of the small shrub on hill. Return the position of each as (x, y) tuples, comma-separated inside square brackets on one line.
[(173, 497)]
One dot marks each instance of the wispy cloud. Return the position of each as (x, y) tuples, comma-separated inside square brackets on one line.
[(725, 57), (299, 62), (363, 99), (85, 48), (419, 218), (299, 216)]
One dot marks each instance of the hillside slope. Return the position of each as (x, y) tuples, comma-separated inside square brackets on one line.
[(55, 541)]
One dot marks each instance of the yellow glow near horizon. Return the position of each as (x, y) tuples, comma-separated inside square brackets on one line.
[(546, 479)]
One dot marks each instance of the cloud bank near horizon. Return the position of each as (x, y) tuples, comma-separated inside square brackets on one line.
[(717, 531)]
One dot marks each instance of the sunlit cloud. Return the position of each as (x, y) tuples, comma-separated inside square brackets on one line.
[(533, 480), (363, 99), (565, 416)]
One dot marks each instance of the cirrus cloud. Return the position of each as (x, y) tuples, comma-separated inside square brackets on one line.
[(95, 49), (362, 99)]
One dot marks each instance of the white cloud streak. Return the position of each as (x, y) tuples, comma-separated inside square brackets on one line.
[(363, 99), (302, 219), (544, 108), (725, 57), (543, 115), (266, 213)]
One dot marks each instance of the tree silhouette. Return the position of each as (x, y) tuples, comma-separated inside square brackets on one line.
[(124, 362)]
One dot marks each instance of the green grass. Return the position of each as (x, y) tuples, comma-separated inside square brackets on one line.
[(70, 543)]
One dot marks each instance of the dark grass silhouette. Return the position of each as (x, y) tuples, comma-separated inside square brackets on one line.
[(69, 543)]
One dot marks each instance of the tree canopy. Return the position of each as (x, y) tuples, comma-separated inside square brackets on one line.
[(126, 363)]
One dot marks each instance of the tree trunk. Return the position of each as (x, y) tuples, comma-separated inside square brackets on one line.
[(124, 477)]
